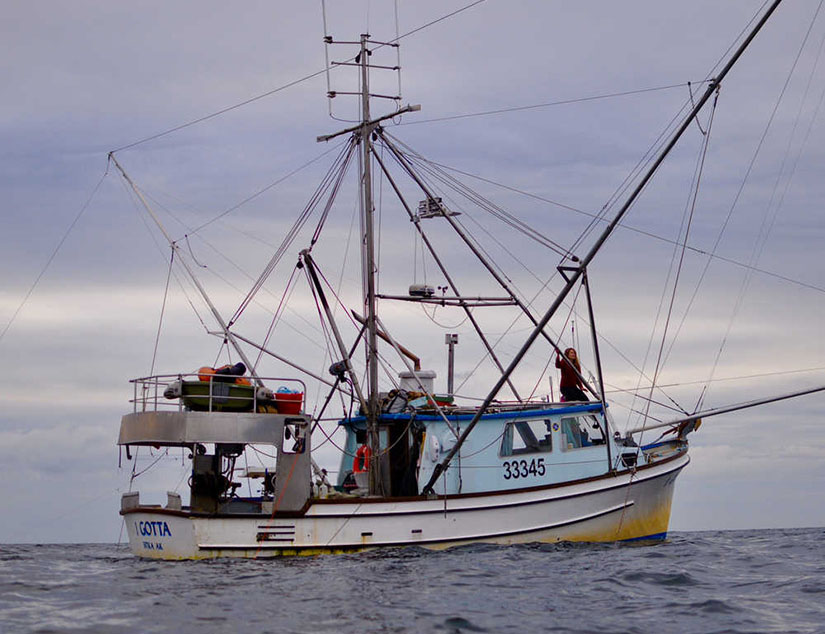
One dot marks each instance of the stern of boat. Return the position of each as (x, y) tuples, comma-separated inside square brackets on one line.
[(156, 532)]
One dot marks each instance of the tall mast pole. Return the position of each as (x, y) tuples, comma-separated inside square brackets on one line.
[(376, 479)]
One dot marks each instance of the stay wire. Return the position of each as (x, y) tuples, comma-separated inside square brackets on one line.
[(432, 23), (692, 211), (757, 249), (291, 235), (230, 261), (162, 311), (435, 170), (265, 189), (138, 209), (742, 377), (269, 93), (136, 474), (550, 356), (674, 268), (246, 102), (341, 172), (480, 252), (642, 232), (793, 170), (486, 205), (549, 104), (645, 160), (54, 253), (492, 236), (276, 316)]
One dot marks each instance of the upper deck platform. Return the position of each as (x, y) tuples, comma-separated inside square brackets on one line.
[(187, 428)]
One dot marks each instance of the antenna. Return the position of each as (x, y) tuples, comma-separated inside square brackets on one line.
[(368, 47)]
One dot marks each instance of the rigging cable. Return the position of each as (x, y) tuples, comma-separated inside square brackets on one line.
[(266, 188), (238, 268), (475, 247), (433, 22), (682, 237), (71, 226), (162, 311), (341, 170), (438, 323), (435, 170), (276, 316), (745, 30), (549, 104), (550, 357), (182, 126), (409, 156), (692, 199), (677, 243), (719, 236), (649, 156), (793, 170), (273, 91), (338, 165), (161, 251), (327, 354), (498, 213), (756, 253), (728, 378), (636, 229), (330, 345)]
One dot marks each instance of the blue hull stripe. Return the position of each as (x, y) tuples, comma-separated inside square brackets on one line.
[(654, 536)]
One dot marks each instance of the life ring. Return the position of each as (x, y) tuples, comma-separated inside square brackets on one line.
[(361, 462)]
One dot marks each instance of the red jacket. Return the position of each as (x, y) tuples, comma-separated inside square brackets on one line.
[(569, 378)]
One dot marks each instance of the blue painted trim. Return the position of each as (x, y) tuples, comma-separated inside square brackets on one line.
[(532, 413), (649, 538), (653, 445)]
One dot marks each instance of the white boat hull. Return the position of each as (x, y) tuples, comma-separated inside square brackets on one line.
[(614, 508)]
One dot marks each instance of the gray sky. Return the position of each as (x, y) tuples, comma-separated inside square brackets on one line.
[(83, 78)]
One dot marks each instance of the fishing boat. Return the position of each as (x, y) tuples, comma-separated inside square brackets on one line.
[(416, 466)]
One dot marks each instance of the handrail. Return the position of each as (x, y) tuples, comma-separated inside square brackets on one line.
[(149, 391)]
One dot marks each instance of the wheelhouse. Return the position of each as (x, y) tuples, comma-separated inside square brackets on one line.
[(509, 449)]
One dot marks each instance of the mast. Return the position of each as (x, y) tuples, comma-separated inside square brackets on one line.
[(578, 271), (376, 481), (364, 131)]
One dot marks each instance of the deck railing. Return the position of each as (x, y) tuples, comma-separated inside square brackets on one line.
[(214, 393)]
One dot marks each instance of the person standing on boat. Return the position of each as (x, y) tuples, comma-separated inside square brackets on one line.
[(571, 384)]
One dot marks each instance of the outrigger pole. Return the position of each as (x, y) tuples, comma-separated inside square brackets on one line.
[(224, 327), (725, 410), (577, 271)]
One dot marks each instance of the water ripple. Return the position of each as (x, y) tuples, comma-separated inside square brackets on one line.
[(736, 581)]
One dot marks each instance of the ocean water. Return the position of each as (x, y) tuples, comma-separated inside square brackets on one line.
[(728, 581)]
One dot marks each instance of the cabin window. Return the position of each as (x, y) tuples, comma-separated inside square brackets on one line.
[(580, 431), (530, 436)]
